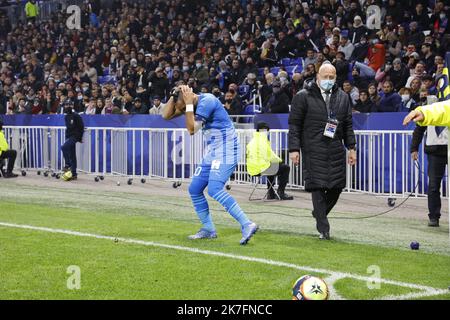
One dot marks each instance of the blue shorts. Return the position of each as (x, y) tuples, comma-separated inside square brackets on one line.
[(214, 170)]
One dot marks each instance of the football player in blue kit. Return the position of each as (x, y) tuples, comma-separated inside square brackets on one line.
[(206, 112)]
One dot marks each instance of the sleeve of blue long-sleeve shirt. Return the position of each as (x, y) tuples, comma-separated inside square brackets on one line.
[(205, 108)]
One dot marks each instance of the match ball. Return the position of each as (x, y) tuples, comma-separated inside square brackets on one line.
[(310, 288)]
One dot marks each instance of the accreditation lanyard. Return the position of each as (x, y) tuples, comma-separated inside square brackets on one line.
[(332, 122)]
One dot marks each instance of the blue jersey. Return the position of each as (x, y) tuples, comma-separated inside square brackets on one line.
[(218, 129)]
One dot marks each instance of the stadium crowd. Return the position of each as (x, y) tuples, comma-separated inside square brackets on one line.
[(129, 55)]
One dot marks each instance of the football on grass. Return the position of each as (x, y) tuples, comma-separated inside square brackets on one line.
[(310, 288)]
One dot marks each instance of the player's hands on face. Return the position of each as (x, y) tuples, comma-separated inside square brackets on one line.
[(188, 94), (295, 157), (415, 116)]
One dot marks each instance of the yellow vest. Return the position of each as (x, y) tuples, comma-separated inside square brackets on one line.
[(31, 10), (436, 114), (3, 143), (259, 154)]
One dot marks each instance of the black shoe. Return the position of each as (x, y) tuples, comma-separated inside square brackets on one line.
[(10, 175), (272, 196), (284, 196), (433, 223), (324, 236)]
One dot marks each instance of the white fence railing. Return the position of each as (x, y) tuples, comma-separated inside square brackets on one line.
[(384, 164)]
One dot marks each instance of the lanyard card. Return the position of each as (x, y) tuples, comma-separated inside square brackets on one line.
[(330, 128)]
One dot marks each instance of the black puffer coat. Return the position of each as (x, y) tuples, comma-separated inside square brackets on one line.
[(323, 158)]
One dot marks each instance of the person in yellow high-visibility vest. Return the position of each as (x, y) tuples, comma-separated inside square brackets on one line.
[(261, 160), (6, 154), (436, 114), (31, 10)]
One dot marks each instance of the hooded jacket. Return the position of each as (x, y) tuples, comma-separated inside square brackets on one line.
[(260, 155)]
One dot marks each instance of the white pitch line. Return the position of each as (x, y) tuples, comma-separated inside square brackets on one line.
[(428, 291)]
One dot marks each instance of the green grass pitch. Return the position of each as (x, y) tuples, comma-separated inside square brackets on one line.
[(34, 263)]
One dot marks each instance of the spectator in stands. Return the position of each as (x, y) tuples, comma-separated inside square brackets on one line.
[(278, 101), (427, 57), (346, 47), (200, 73), (364, 104), (135, 42), (296, 85), (139, 107), (310, 57), (415, 36), (398, 74), (232, 104), (252, 89), (268, 51), (236, 72), (159, 84), (419, 72), (99, 107), (249, 67), (415, 89), (408, 104), (362, 76), (361, 50), (423, 94), (377, 54), (358, 30), (352, 91), (266, 89), (286, 45), (90, 109), (390, 100), (429, 84), (158, 107), (342, 67), (108, 108), (373, 94), (6, 154)]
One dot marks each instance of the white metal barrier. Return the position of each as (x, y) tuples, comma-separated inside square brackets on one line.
[(384, 164)]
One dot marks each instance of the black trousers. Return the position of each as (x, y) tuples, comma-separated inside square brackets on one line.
[(70, 155), (11, 156), (283, 177), (436, 171), (324, 201)]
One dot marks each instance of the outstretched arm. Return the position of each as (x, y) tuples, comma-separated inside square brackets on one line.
[(436, 114)]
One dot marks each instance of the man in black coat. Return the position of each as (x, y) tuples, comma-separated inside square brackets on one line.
[(74, 134), (320, 125)]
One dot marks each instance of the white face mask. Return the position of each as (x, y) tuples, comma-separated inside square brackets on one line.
[(405, 97)]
